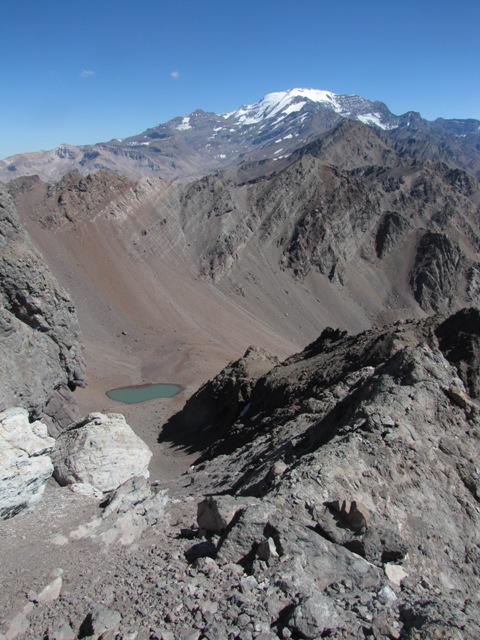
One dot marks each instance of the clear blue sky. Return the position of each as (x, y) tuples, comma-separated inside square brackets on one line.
[(84, 71)]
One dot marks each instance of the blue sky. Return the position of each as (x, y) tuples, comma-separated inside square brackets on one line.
[(83, 71)]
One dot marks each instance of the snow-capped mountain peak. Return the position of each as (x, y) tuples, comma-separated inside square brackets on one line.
[(272, 128), (281, 103)]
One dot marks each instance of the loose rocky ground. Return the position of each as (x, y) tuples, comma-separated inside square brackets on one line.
[(340, 499)]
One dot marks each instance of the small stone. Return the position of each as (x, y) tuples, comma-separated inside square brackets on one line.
[(209, 607), (215, 513), (86, 489), (49, 593), (355, 514), (458, 395), (382, 628), (20, 622), (63, 632), (242, 620), (395, 573), (267, 550), (100, 620), (387, 595)]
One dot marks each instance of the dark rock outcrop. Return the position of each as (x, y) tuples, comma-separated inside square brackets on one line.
[(390, 231), (437, 277), (40, 348), (366, 446), (219, 402), (351, 208)]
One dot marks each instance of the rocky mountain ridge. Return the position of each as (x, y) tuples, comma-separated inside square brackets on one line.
[(347, 215), (41, 348), (372, 440), (271, 128)]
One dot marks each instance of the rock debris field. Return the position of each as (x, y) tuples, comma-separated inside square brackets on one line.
[(334, 494)]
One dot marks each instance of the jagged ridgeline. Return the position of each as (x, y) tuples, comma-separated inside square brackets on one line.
[(349, 218), (274, 127)]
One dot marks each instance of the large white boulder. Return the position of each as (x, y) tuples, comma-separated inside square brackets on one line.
[(25, 463), (100, 450)]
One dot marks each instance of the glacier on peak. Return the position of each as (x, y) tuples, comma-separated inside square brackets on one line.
[(281, 101)]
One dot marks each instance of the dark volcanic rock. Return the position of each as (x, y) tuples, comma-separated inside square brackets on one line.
[(41, 352)]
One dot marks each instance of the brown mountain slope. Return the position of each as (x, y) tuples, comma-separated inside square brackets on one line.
[(145, 314), (173, 279)]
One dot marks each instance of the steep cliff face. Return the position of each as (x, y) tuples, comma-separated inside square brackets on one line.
[(40, 345)]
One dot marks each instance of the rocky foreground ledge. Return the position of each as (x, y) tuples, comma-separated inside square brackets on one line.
[(339, 499)]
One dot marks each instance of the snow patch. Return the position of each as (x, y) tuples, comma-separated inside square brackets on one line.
[(292, 108), (374, 118), (185, 124)]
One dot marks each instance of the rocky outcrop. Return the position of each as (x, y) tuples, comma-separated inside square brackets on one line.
[(26, 466), (219, 402), (390, 232), (364, 446), (102, 451), (438, 275), (459, 340), (348, 208), (40, 347)]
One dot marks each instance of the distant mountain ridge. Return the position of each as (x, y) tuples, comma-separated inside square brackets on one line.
[(347, 215), (273, 127)]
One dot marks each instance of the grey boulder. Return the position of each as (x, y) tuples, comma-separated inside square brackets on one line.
[(314, 616), (101, 450), (25, 464)]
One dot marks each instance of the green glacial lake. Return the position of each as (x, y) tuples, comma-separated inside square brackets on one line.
[(144, 392)]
